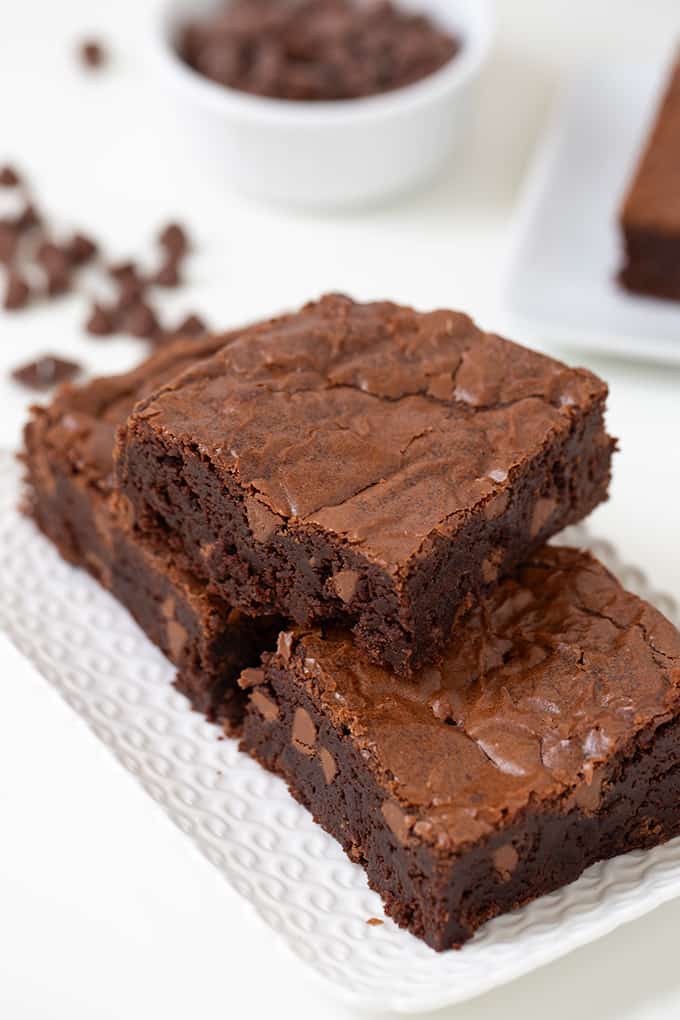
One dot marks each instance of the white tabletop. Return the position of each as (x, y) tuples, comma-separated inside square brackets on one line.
[(107, 911)]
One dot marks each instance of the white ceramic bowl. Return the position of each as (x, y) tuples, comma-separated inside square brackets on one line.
[(324, 154)]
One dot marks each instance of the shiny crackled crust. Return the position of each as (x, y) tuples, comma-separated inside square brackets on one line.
[(650, 216), (69, 470), (366, 463), (545, 740)]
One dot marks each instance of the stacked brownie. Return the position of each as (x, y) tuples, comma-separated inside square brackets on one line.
[(474, 715), (70, 494)]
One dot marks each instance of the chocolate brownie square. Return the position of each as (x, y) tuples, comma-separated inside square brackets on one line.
[(367, 464), (650, 217), (547, 739), (69, 461)]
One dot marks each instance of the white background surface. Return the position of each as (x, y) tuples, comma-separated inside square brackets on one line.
[(121, 918)]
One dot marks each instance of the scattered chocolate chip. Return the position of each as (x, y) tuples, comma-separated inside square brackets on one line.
[(192, 326), (141, 321), (101, 321), (9, 239), (45, 372), (28, 218), (168, 275), (374, 921), (92, 54), (56, 265), (9, 178), (174, 239), (81, 249), (124, 271), (17, 292), (57, 281), (52, 258), (131, 290), (130, 312)]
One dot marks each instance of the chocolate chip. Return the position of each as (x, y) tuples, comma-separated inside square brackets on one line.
[(92, 54), (131, 290), (253, 676), (192, 326), (101, 321), (345, 584), (267, 707), (52, 258), (17, 292), (174, 239), (303, 735), (57, 283), (45, 372), (9, 239), (168, 275), (9, 178), (81, 249), (28, 218), (141, 321), (328, 765), (176, 639), (124, 271), (316, 49)]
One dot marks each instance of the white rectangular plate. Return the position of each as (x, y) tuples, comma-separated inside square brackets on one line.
[(243, 820), (561, 279)]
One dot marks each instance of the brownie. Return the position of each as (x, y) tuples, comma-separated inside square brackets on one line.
[(650, 217), (366, 464), (547, 739), (69, 460)]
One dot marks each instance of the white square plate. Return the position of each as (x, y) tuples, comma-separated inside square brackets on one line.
[(561, 280), (243, 820)]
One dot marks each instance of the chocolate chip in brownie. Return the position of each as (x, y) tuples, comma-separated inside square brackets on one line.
[(45, 372)]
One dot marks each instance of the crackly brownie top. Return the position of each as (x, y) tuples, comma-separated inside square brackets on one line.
[(375, 422), (79, 425), (542, 683), (653, 201)]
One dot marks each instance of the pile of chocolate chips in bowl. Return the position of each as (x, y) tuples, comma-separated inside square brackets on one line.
[(315, 50)]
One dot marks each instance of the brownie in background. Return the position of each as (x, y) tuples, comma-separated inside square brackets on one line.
[(650, 217)]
